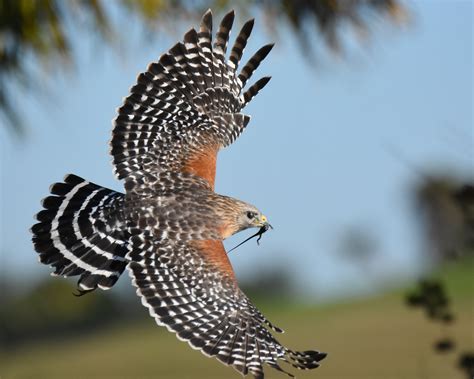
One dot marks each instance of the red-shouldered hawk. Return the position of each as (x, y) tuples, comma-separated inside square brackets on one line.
[(168, 227)]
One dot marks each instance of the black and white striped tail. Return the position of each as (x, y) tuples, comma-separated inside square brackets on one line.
[(75, 233)]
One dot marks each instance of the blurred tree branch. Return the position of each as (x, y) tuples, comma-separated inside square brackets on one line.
[(446, 207), (41, 29)]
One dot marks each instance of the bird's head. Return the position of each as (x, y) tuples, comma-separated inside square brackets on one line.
[(238, 215), (251, 217)]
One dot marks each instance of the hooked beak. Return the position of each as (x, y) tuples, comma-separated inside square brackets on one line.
[(262, 222)]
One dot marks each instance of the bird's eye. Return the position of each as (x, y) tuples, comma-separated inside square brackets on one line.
[(250, 215)]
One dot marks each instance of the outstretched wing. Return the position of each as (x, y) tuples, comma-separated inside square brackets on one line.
[(190, 288), (186, 106)]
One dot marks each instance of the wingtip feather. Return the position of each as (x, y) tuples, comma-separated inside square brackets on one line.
[(206, 20)]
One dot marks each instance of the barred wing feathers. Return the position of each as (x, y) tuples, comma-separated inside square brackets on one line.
[(186, 105), (198, 300)]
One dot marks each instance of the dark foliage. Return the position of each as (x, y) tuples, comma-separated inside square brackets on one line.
[(39, 32), (466, 364), (444, 345), (431, 296), (446, 208)]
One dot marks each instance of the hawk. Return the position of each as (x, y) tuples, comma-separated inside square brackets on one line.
[(167, 228)]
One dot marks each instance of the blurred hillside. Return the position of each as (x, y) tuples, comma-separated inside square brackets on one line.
[(371, 338), (51, 309)]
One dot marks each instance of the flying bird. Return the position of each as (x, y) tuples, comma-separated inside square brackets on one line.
[(167, 228)]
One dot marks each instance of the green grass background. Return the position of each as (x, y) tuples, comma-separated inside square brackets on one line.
[(377, 338)]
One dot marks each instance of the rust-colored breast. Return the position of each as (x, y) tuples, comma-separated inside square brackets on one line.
[(203, 163), (215, 253)]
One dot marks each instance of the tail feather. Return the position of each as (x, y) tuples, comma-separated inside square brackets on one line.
[(75, 233)]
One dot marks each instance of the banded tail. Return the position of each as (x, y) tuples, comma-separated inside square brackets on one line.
[(75, 233)]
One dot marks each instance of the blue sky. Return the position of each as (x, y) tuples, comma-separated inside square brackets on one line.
[(321, 154)]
